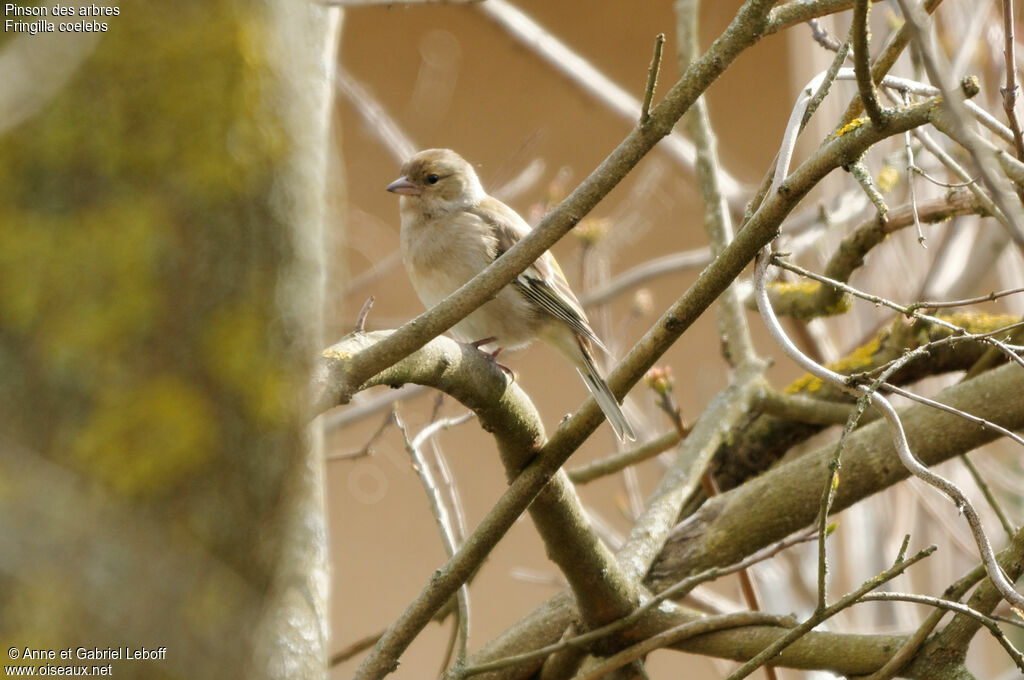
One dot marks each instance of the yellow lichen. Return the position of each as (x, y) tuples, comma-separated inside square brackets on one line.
[(858, 360), (851, 126), (146, 438), (842, 305), (790, 287), (888, 178), (980, 322), (238, 354), (98, 289), (805, 383)]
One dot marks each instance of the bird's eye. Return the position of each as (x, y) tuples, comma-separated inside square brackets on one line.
[(433, 178)]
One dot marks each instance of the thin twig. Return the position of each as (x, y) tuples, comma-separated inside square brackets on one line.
[(788, 14), (990, 297), (914, 642), (377, 119), (642, 273), (885, 60), (938, 182), (913, 191), (826, 83), (616, 462), (817, 617), (859, 32), (367, 449), (986, 491), (959, 607), (454, 499), (441, 515), (828, 496), (910, 311), (965, 134), (950, 163), (370, 404), (363, 313), (860, 172), (733, 327), (1011, 90), (981, 422), (360, 645), (652, 79), (822, 36)]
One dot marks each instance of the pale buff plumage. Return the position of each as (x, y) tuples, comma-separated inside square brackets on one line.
[(452, 230)]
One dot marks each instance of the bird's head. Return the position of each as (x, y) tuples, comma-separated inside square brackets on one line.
[(439, 181)]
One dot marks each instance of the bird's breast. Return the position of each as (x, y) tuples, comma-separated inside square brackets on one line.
[(440, 255)]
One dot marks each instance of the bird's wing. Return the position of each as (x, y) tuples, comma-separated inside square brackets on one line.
[(542, 282)]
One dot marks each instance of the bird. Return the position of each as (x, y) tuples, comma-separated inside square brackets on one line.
[(451, 230)]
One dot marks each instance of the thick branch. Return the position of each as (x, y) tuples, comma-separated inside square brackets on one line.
[(767, 437), (504, 410), (774, 504)]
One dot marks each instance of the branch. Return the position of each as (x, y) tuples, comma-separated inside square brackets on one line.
[(913, 643), (1011, 90), (964, 133), (652, 79), (469, 376), (850, 254), (966, 610), (732, 323), (774, 504), (766, 438), (443, 519), (642, 273), (796, 12), (859, 32), (585, 474), (890, 53), (674, 636), (952, 642), (796, 407), (823, 614), (460, 370)]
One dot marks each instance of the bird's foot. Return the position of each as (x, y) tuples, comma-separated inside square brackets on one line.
[(486, 341), (494, 356)]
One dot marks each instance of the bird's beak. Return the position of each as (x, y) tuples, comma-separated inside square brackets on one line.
[(402, 185)]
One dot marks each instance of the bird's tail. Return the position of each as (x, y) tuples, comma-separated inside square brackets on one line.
[(604, 397)]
